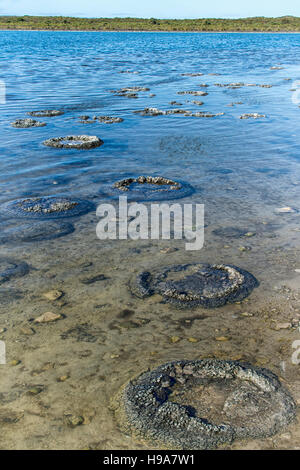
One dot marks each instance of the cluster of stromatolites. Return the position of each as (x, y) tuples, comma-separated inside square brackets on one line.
[(202, 404), (189, 285)]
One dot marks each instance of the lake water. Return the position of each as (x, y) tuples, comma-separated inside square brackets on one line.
[(241, 169)]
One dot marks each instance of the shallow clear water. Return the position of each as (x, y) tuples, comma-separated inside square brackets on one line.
[(241, 169)]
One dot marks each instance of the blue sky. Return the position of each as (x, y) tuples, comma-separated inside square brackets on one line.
[(153, 8)]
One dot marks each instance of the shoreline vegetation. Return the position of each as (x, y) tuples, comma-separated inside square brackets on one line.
[(60, 23)]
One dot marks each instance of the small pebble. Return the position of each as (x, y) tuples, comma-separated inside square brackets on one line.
[(193, 340), (15, 362), (283, 326), (63, 378), (222, 338), (47, 317), (53, 295), (284, 210), (25, 330), (174, 339), (73, 420)]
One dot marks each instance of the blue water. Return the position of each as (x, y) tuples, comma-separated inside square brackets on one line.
[(226, 159)]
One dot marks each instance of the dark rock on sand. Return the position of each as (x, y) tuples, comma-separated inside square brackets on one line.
[(10, 268), (34, 232)]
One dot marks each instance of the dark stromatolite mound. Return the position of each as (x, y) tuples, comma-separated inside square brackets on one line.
[(104, 119), (46, 207), (46, 113), (79, 142), (35, 232), (194, 93), (148, 188), (10, 268), (203, 404), (26, 123), (190, 285), (252, 115)]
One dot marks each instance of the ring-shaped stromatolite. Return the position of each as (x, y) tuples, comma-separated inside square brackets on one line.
[(10, 268), (190, 285), (46, 207), (148, 188), (36, 231), (202, 404), (46, 113), (80, 142)]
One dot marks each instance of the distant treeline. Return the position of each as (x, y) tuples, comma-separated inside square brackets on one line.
[(257, 24)]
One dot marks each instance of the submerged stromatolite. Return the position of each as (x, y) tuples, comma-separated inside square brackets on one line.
[(46, 207), (36, 231), (46, 113), (190, 285), (10, 268), (148, 188), (203, 404), (80, 142), (104, 119), (252, 115), (26, 123)]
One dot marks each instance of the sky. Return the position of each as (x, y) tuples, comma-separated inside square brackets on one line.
[(153, 8)]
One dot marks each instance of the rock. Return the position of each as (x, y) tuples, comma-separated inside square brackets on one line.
[(297, 271), (91, 280), (283, 326), (9, 416), (35, 390), (285, 210), (174, 339), (168, 250), (250, 234), (53, 295), (193, 340), (222, 338), (15, 362), (25, 330), (63, 378), (74, 420), (47, 317), (246, 314)]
